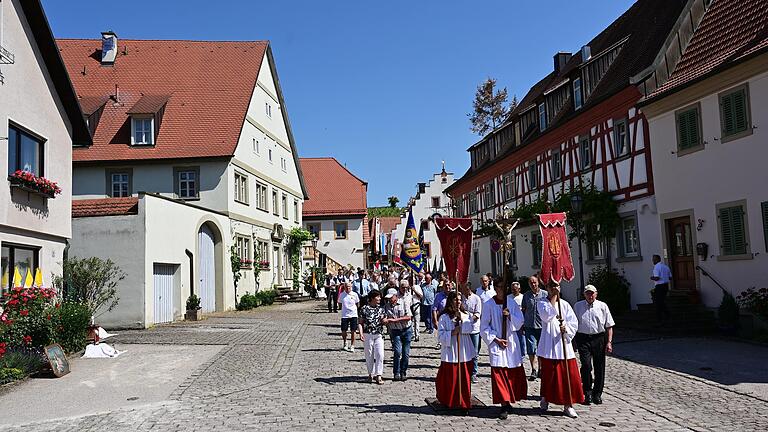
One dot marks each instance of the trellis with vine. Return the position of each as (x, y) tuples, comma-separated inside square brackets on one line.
[(294, 241)]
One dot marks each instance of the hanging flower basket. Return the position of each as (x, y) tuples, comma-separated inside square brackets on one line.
[(246, 263), (29, 182)]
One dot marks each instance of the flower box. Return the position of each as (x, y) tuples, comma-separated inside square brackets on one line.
[(264, 265), (246, 263), (26, 181)]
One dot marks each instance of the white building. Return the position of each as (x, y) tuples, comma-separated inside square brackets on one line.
[(39, 121), (709, 155), (198, 133), (430, 202), (336, 213)]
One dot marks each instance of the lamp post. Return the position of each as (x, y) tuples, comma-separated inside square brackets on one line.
[(577, 205)]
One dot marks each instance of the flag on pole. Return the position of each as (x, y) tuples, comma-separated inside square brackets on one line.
[(411, 254), (455, 236), (16, 277), (28, 279), (556, 263), (38, 278)]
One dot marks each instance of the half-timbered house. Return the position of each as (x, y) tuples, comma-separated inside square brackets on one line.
[(579, 125)]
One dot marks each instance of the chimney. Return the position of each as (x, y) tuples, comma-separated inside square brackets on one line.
[(586, 53), (108, 48), (561, 59)]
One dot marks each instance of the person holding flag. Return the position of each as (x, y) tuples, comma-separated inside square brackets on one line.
[(456, 353)]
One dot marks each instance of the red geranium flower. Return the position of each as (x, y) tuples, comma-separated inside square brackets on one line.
[(27, 339), (24, 312)]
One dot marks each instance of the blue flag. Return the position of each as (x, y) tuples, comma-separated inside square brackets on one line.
[(411, 250)]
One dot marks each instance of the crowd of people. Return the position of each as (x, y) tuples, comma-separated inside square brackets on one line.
[(537, 324)]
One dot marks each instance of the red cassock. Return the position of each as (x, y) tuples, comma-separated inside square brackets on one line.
[(509, 385), (448, 381), (554, 385)]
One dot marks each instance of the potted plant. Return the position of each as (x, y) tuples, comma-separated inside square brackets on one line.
[(194, 311), (29, 182)]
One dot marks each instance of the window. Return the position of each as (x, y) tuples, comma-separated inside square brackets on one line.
[(476, 260), (120, 185), (314, 228), (241, 188), (472, 203), (295, 210), (764, 213), (261, 197), (509, 186), (187, 182), (243, 247), (735, 121), (142, 130), (557, 165), (340, 230), (532, 183), (490, 196), (284, 202), (25, 152), (595, 244), (261, 249), (275, 208), (577, 102), (585, 152), (427, 249), (620, 138), (629, 243), (425, 225), (268, 109), (513, 255), (256, 146), (536, 248), (688, 129), (435, 202), (732, 222), (270, 155), (283, 165), (14, 257), (542, 117)]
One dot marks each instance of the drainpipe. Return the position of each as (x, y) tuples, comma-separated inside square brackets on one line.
[(191, 271)]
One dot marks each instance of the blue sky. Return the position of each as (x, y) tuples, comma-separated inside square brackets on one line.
[(384, 87)]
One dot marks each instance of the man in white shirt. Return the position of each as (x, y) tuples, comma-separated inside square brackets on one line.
[(485, 291), (349, 301), (473, 305), (661, 277), (594, 338)]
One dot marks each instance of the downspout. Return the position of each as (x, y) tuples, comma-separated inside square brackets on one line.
[(191, 271)]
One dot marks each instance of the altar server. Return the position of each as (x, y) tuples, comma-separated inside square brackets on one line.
[(456, 353)]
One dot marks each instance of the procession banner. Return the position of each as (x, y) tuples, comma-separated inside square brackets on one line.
[(455, 236), (410, 253), (556, 263)]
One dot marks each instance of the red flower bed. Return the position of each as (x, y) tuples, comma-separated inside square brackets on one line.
[(39, 184)]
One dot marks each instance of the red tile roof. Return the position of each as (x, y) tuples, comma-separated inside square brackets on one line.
[(332, 189), (105, 207), (730, 31), (209, 83), (388, 223)]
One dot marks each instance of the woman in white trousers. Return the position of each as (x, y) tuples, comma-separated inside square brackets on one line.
[(371, 327)]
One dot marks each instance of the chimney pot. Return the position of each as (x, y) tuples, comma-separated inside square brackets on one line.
[(561, 59)]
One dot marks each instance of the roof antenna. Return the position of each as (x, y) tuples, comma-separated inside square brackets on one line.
[(116, 96), (125, 50)]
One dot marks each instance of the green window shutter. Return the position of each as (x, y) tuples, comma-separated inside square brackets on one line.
[(740, 110), (764, 207), (732, 231), (728, 121), (726, 236), (688, 129)]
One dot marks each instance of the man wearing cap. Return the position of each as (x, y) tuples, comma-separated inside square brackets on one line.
[(397, 317), (593, 339)]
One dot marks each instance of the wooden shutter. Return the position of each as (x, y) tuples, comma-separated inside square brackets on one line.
[(732, 231), (688, 129), (734, 112), (764, 208), (727, 109)]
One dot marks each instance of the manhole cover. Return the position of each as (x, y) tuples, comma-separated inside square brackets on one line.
[(133, 398), (607, 424)]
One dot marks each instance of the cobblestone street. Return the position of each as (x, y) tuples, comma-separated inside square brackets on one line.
[(282, 367)]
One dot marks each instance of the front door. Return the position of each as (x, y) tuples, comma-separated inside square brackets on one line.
[(276, 268), (681, 254), (207, 269)]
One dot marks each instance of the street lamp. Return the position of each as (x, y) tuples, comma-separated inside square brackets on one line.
[(577, 206)]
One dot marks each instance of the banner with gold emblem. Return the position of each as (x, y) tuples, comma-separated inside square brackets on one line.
[(556, 263)]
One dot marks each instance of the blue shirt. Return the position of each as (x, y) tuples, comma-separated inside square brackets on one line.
[(530, 311), (429, 293), (440, 300)]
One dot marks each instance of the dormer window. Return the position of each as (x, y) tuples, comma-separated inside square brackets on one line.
[(577, 99), (542, 117), (142, 130)]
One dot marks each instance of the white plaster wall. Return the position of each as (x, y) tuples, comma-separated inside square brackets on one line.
[(720, 173), (348, 251), (28, 99)]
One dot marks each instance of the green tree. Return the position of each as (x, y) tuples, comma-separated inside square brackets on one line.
[(92, 282), (489, 108), (393, 200)]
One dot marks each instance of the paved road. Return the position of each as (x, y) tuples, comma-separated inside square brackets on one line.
[(281, 367)]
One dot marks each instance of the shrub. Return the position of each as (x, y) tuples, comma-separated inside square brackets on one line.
[(26, 320), (612, 287), (91, 281), (266, 298), (247, 302), (728, 312), (10, 374), (26, 362), (193, 302), (755, 301), (71, 326)]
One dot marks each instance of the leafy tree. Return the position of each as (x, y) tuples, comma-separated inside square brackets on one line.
[(393, 200), (92, 282), (489, 107)]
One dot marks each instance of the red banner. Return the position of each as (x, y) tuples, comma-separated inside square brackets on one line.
[(455, 236), (556, 263)]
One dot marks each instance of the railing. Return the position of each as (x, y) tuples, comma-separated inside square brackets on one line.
[(706, 273)]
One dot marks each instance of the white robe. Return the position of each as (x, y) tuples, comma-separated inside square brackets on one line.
[(490, 329), (448, 343), (550, 343)]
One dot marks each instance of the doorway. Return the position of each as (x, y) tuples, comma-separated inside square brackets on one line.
[(681, 256)]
